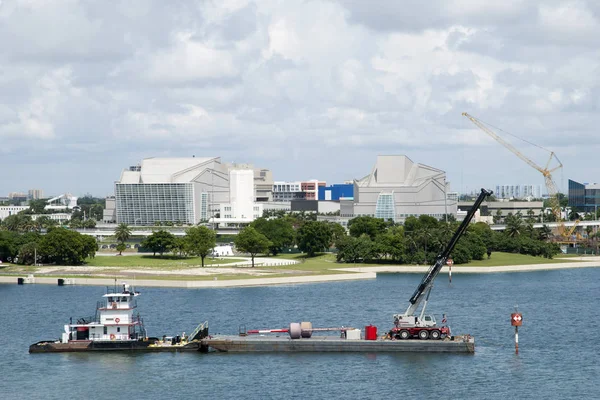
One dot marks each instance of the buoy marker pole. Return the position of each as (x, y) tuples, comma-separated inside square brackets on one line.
[(516, 320)]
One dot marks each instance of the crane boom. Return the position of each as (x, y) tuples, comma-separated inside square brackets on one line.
[(427, 282), (546, 171)]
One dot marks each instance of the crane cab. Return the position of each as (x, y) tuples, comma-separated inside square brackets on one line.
[(409, 321)]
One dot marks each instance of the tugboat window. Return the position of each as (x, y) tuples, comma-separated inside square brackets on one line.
[(110, 299), (124, 299), (118, 329), (105, 330)]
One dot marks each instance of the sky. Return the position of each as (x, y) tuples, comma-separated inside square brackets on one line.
[(311, 89)]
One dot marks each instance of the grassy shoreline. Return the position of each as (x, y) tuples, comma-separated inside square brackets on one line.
[(148, 267)]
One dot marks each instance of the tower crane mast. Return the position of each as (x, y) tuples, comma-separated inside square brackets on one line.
[(546, 171)]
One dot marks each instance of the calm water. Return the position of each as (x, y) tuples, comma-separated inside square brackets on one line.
[(559, 342)]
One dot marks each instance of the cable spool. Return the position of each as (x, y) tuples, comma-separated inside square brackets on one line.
[(306, 329), (295, 330)]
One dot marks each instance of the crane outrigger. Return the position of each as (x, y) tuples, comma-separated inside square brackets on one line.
[(409, 325)]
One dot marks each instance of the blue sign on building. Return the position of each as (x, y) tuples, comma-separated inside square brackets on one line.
[(337, 191)]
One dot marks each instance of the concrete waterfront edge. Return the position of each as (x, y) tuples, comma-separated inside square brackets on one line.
[(204, 284)]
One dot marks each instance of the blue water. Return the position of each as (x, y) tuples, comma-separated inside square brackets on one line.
[(559, 345)]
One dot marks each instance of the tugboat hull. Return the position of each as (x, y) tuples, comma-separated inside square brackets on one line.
[(86, 346)]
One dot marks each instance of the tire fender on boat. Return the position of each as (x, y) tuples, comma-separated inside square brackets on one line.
[(112, 336)]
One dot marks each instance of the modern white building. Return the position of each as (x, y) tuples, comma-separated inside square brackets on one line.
[(187, 190), (171, 190), (65, 201), (398, 188)]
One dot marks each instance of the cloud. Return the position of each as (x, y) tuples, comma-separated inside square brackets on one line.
[(308, 88)]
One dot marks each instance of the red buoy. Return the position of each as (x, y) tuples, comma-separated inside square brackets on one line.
[(516, 319)]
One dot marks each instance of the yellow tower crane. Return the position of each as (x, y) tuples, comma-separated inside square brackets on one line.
[(547, 171)]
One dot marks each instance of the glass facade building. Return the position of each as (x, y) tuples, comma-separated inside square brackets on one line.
[(144, 204), (584, 197), (385, 207)]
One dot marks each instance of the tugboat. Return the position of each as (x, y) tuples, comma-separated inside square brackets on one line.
[(117, 326)]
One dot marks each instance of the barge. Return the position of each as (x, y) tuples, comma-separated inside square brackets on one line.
[(283, 344), (117, 326)]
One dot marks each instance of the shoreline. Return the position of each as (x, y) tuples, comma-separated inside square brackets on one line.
[(354, 273)]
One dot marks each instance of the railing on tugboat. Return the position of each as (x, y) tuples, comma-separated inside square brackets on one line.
[(106, 305)]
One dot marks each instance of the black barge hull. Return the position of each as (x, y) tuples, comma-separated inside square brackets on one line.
[(131, 346)]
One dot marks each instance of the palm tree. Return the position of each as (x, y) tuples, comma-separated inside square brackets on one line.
[(122, 234), (514, 225)]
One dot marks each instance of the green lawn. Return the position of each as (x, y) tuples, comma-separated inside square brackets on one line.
[(501, 259), (165, 261), (327, 261)]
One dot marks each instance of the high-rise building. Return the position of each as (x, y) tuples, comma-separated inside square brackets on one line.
[(35, 194), (519, 191)]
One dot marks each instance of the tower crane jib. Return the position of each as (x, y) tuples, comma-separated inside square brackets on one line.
[(546, 171)]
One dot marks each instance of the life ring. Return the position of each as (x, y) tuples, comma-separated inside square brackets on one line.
[(114, 305), (112, 336), (117, 320)]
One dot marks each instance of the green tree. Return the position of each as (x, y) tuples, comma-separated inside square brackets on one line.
[(365, 224), (27, 253), (66, 247), (392, 243), (514, 225), (249, 240), (37, 206), (314, 236), (159, 242), (8, 245), (122, 232), (200, 241), (279, 231), (89, 223), (121, 247), (180, 247), (544, 233), (97, 212), (337, 232)]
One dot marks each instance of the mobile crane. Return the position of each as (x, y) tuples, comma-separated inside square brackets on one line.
[(409, 325)]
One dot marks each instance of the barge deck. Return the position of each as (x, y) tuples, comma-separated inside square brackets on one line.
[(244, 344)]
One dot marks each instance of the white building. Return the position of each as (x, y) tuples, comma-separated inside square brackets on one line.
[(242, 208), (65, 201), (171, 190), (398, 188), (6, 211), (188, 190), (287, 191), (518, 191)]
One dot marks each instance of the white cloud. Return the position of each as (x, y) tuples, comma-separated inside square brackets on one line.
[(309, 81)]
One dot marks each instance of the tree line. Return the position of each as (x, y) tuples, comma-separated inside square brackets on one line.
[(58, 246)]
